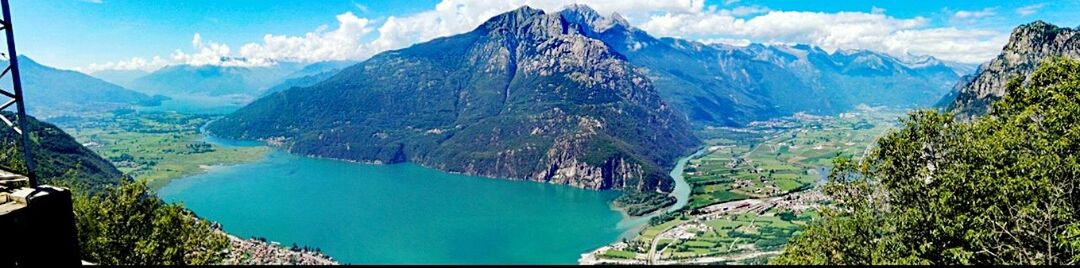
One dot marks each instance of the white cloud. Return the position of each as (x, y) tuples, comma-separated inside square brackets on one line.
[(211, 53), (1030, 9), (343, 42), (347, 39), (135, 63), (842, 30), (973, 14), (355, 37), (92, 1)]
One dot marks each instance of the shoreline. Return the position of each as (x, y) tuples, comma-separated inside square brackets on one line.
[(677, 173), (254, 251), (634, 224), (630, 225)]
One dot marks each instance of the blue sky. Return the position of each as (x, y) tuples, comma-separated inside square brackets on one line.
[(92, 35)]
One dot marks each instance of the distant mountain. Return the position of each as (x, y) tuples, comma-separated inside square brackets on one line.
[(310, 75), (50, 91), (210, 80), (322, 67), (1029, 45), (728, 85), (526, 95), (57, 155), (120, 77), (930, 62)]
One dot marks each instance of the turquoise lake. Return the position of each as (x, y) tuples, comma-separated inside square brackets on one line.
[(401, 214)]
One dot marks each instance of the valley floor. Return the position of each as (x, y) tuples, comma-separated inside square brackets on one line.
[(155, 147), (753, 190)]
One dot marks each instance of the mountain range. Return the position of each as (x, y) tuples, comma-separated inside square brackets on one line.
[(225, 85), (310, 75), (712, 84), (214, 81), (50, 91), (1028, 46), (728, 85), (570, 97), (523, 96)]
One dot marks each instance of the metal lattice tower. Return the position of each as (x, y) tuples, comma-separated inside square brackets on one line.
[(16, 95)]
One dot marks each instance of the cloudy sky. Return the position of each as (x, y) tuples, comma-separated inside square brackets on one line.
[(96, 35)]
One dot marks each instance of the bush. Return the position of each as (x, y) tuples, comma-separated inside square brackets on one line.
[(128, 224)]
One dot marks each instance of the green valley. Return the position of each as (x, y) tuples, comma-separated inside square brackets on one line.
[(155, 147), (754, 189)]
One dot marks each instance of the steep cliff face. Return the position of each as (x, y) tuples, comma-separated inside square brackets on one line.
[(526, 95), (1029, 45)]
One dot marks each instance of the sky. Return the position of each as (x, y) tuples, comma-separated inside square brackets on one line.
[(98, 35)]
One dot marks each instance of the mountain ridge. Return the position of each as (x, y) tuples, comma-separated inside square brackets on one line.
[(729, 85), (524, 96), (212, 80), (52, 92), (1029, 45)]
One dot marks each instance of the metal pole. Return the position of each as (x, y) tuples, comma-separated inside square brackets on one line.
[(19, 101)]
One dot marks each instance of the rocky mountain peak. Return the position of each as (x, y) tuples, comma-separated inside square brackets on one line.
[(526, 95), (1029, 45), (619, 19), (590, 20), (513, 19)]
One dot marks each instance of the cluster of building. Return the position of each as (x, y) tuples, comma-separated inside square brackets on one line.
[(259, 252)]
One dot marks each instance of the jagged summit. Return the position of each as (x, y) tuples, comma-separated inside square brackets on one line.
[(1029, 45), (513, 18), (584, 15), (731, 85)]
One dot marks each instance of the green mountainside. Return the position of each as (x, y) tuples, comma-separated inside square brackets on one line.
[(57, 156), (523, 96)]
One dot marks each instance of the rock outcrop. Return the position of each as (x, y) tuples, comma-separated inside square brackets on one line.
[(1028, 46)]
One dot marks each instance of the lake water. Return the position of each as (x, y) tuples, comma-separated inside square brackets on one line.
[(401, 214)]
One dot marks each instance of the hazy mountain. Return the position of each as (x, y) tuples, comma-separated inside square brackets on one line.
[(120, 77), (1028, 46), (526, 95), (729, 85), (50, 91), (310, 75), (322, 67), (210, 80)]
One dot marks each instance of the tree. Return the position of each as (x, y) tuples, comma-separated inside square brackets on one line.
[(1001, 189), (128, 224)]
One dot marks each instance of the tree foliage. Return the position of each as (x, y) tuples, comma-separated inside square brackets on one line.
[(1001, 189), (128, 224)]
